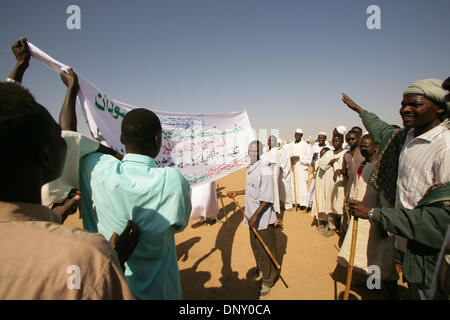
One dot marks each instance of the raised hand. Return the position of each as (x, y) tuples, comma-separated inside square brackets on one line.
[(20, 50), (70, 79), (351, 104)]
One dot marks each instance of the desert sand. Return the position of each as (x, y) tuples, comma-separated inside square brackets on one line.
[(216, 261)]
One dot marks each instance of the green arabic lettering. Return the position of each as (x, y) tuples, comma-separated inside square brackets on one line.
[(117, 111), (96, 103)]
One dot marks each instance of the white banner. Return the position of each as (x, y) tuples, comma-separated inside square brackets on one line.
[(205, 147)]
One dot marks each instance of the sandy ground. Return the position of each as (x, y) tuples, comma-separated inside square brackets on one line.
[(216, 261)]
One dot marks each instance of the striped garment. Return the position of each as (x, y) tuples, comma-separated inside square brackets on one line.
[(424, 161)]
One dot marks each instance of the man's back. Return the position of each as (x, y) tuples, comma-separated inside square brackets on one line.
[(156, 199), (44, 260)]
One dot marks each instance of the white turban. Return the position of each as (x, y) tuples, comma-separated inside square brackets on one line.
[(341, 129), (299, 131), (322, 133), (429, 88)]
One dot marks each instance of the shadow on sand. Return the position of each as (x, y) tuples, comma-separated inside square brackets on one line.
[(359, 286), (232, 287)]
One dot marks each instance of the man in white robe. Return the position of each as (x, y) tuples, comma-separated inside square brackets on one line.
[(313, 156), (285, 168), (330, 195), (298, 151)]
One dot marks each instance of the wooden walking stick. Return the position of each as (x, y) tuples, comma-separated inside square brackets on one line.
[(346, 210), (295, 188), (274, 260), (351, 258), (317, 203)]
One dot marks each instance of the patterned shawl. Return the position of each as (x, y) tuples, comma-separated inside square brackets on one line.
[(385, 171)]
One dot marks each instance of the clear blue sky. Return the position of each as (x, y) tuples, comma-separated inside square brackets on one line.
[(286, 62)]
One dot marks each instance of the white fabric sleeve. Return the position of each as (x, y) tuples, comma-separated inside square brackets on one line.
[(78, 145)]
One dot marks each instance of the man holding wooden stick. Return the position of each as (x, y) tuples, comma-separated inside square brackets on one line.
[(261, 215)]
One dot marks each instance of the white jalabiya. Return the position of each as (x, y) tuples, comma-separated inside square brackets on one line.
[(204, 201), (314, 149), (338, 195), (270, 158), (323, 187), (285, 168), (373, 245), (329, 194), (78, 145), (300, 150)]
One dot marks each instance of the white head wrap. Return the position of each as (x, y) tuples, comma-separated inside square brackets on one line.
[(342, 130)]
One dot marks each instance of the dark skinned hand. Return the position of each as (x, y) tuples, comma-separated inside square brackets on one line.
[(126, 242), (358, 209), (332, 161), (68, 206), (351, 104), (252, 221), (20, 50), (70, 79)]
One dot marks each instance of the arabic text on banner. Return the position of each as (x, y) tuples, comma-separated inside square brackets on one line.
[(205, 147)]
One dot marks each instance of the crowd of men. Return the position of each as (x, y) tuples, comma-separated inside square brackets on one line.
[(397, 180), (394, 180)]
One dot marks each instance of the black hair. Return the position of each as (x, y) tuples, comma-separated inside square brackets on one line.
[(369, 136), (358, 129), (139, 127), (441, 105), (23, 123), (356, 132)]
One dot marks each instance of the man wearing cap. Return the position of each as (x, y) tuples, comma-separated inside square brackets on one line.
[(298, 151), (414, 158)]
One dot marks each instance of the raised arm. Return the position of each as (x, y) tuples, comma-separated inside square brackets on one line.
[(379, 129), (351, 104), (20, 50), (68, 116)]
